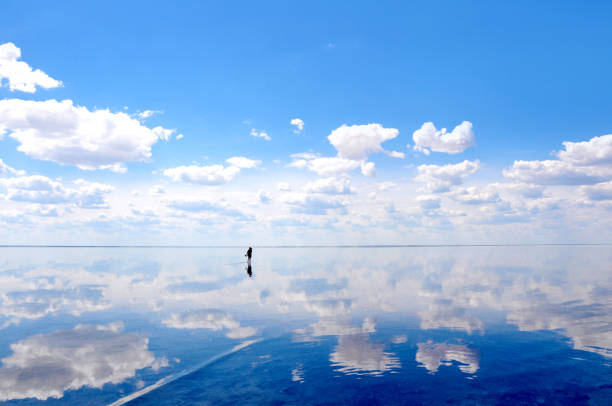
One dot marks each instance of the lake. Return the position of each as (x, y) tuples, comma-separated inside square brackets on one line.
[(344, 325)]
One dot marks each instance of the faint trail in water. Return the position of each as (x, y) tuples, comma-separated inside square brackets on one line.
[(178, 375)]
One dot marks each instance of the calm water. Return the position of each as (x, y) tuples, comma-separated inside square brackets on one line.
[(463, 325)]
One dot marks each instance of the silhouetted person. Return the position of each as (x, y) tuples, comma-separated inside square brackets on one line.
[(249, 253)]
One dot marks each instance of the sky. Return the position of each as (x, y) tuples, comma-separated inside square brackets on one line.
[(315, 123)]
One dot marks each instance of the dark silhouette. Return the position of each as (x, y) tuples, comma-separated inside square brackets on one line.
[(248, 255)]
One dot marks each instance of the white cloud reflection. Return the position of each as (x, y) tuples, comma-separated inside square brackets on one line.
[(431, 356), (357, 355), (212, 319), (46, 365)]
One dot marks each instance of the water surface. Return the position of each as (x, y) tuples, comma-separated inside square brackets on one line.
[(376, 325)]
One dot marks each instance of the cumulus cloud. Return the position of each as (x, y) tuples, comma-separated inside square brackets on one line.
[(73, 135), (323, 166), (40, 189), (429, 138), (600, 191), (211, 174), (260, 134), (308, 204), (91, 194), (354, 144), (46, 365), (553, 172), (205, 205), (19, 74), (357, 141), (477, 196), (368, 169), (330, 186), (431, 356), (298, 123), (242, 162), (597, 150), (428, 202), (212, 319), (440, 178), (580, 163)]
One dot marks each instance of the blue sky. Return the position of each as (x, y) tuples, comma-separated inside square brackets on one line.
[(526, 76)]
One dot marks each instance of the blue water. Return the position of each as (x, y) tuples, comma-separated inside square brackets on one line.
[(361, 325)]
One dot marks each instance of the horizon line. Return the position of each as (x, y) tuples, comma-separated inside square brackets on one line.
[(306, 246)]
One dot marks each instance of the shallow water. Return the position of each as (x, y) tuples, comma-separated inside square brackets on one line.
[(465, 325)]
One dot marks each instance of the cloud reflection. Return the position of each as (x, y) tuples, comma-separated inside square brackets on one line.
[(212, 319), (357, 355), (46, 365), (431, 355)]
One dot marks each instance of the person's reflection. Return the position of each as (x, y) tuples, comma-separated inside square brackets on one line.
[(248, 255)]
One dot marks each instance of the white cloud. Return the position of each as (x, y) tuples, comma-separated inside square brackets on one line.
[(242, 162), (477, 196), (19, 74), (46, 365), (440, 178), (143, 115), (298, 123), (384, 186), (600, 191), (395, 154), (91, 194), (431, 355), (40, 189), (260, 134), (283, 186), (368, 169), (553, 172), (73, 135), (211, 174), (428, 202), (597, 150), (307, 204), (354, 144), (357, 141), (212, 319), (157, 190), (204, 205), (330, 186), (324, 166), (429, 138), (580, 163), (263, 196), (203, 175)]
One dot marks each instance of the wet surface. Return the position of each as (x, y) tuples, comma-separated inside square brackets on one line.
[(485, 325)]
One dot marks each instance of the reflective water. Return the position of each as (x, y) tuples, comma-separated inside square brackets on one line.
[(484, 325)]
